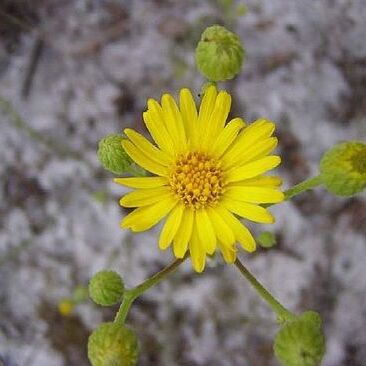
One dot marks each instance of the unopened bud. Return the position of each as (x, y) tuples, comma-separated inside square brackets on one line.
[(106, 288), (112, 155), (343, 168), (266, 239), (300, 342), (113, 345), (219, 54)]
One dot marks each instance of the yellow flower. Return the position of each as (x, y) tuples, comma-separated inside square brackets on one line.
[(206, 175), (65, 307)]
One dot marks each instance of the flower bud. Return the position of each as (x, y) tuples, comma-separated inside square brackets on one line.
[(343, 168), (266, 239), (219, 54), (112, 155), (106, 288), (300, 342), (113, 345)]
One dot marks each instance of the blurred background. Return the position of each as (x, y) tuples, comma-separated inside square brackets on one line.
[(72, 71)]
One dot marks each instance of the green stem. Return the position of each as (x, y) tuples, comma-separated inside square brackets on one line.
[(303, 186), (282, 313), (131, 295), (124, 308), (299, 188)]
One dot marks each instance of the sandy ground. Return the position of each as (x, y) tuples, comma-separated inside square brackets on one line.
[(73, 71)]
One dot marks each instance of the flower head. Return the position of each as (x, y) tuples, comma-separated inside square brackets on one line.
[(106, 288), (219, 53), (301, 342), (206, 175), (112, 344), (343, 168), (112, 155)]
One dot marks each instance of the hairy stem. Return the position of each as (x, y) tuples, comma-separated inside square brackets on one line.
[(282, 313), (134, 293), (303, 186)]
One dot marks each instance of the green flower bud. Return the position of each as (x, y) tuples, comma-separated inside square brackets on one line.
[(301, 342), (266, 239), (113, 345), (343, 168), (106, 288), (219, 54), (112, 155)]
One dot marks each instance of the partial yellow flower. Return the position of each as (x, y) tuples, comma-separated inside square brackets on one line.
[(66, 307), (206, 176)]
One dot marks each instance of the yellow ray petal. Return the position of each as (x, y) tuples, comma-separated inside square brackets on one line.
[(261, 148), (205, 231), (145, 197), (188, 111), (252, 169), (263, 181), (197, 251), (171, 226), (142, 182), (248, 211), (143, 218), (184, 233), (207, 104), (143, 160), (259, 129), (155, 124), (205, 111), (242, 234), (254, 194), (228, 252), (167, 122), (248, 138), (226, 137), (223, 232), (254, 152), (174, 122), (148, 148), (225, 236), (215, 124)]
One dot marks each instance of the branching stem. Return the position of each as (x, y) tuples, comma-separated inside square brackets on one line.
[(131, 295)]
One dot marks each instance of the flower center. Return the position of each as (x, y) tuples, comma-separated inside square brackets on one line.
[(197, 180)]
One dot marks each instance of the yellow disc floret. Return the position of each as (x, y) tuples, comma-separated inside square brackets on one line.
[(197, 180)]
